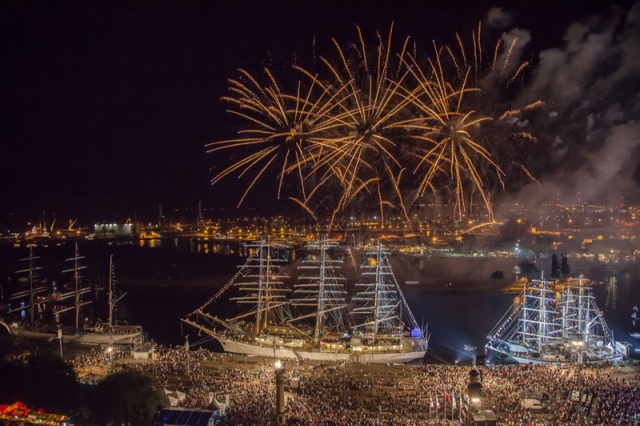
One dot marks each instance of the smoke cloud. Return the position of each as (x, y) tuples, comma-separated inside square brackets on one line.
[(497, 18), (590, 127)]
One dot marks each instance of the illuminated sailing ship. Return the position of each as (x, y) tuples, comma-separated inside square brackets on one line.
[(98, 333), (314, 319), (545, 327)]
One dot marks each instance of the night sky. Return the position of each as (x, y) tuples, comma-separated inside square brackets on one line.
[(106, 106)]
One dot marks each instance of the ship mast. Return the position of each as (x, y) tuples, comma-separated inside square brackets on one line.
[(382, 300), (582, 316), (376, 304), (262, 285), (320, 287), (321, 284), (112, 281), (542, 335), (32, 291), (77, 278), (110, 291), (523, 307), (540, 322)]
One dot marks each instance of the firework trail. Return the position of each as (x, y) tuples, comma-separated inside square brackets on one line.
[(494, 73), (347, 135), (445, 134), (278, 127), (353, 155)]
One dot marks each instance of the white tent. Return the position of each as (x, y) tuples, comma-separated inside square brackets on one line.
[(172, 398)]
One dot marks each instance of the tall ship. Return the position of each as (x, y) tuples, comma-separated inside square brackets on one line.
[(50, 306), (554, 322), (316, 315)]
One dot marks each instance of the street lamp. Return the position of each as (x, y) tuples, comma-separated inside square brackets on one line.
[(281, 410), (59, 334)]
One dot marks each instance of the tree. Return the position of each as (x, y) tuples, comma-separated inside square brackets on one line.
[(52, 383), (42, 380), (564, 265), (555, 267), (126, 397)]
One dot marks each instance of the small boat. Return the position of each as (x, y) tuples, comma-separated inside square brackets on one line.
[(470, 348), (635, 335)]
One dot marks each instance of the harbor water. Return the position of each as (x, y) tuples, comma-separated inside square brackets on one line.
[(167, 279)]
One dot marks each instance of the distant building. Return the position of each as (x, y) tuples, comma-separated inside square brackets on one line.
[(113, 230)]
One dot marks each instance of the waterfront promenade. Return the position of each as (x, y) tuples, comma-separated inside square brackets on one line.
[(350, 394)]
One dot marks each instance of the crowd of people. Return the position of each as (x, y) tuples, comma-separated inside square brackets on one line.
[(357, 394), (94, 364), (576, 395)]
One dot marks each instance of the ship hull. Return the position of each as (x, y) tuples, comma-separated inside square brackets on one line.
[(388, 357), (124, 337), (243, 348), (525, 359), (521, 359)]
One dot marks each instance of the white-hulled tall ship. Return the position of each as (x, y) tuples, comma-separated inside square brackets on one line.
[(315, 319), (54, 302), (554, 322), (384, 323)]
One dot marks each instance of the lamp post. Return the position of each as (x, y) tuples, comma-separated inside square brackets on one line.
[(109, 352), (60, 338), (281, 409)]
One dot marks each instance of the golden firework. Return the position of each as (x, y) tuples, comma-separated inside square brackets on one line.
[(348, 135)]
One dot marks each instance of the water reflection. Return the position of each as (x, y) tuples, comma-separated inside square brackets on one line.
[(196, 245), (611, 298), (214, 247), (190, 270), (150, 242)]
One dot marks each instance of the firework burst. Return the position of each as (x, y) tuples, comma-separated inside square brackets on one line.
[(347, 135), (445, 134), (358, 152), (495, 74), (278, 128)]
